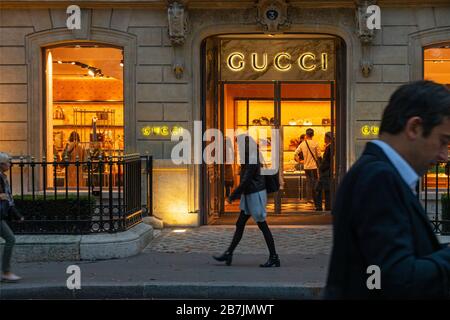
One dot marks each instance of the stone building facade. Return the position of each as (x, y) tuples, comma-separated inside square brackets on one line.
[(163, 72)]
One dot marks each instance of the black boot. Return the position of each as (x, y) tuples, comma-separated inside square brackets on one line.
[(274, 261), (226, 256)]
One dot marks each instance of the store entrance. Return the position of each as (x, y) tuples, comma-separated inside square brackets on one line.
[(290, 83), (290, 107)]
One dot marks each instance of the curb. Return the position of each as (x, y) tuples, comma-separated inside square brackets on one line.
[(166, 290)]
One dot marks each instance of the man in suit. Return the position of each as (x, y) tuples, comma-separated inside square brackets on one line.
[(378, 219)]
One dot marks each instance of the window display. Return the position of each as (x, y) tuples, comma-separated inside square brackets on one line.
[(252, 108), (85, 116), (437, 68)]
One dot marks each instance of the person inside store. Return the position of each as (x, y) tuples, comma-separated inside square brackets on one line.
[(253, 200), (298, 157), (73, 152), (384, 246), (8, 212), (311, 155), (324, 182)]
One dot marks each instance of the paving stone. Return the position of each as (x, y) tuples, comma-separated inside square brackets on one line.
[(214, 239)]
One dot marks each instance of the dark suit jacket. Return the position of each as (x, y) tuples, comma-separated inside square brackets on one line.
[(377, 220)]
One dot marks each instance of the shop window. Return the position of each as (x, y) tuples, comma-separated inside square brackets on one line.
[(437, 68), (84, 106)]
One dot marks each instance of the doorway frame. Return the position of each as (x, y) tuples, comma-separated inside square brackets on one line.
[(346, 43), (277, 99)]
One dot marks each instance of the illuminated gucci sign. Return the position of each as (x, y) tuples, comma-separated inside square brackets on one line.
[(282, 61), (161, 130), (367, 130)]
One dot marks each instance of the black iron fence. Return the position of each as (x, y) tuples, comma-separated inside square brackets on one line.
[(80, 197), (434, 194)]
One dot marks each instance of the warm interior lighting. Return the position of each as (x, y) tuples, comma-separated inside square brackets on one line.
[(121, 63), (179, 230), (78, 91)]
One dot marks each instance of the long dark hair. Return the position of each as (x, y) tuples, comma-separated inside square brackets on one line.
[(252, 154), (74, 137)]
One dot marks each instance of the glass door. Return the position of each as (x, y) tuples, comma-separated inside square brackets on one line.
[(291, 107), (304, 105), (247, 107)]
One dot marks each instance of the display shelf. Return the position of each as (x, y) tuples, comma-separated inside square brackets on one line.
[(83, 126), (87, 101)]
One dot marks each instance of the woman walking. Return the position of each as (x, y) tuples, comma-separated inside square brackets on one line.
[(7, 211), (253, 195)]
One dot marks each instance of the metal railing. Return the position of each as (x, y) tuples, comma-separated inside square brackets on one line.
[(81, 197), (434, 194)]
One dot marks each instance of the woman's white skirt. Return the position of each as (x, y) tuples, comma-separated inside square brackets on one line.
[(254, 204)]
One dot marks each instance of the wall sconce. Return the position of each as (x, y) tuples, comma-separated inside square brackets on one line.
[(178, 28)]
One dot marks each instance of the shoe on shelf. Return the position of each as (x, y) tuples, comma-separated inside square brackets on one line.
[(226, 256), (274, 261), (10, 277)]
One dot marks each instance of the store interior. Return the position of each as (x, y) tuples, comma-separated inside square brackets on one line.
[(253, 107), (85, 117), (437, 68)]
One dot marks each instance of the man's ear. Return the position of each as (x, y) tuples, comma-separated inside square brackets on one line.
[(413, 128)]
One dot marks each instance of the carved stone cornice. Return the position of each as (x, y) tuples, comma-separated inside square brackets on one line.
[(272, 15), (178, 22), (177, 28), (365, 34)]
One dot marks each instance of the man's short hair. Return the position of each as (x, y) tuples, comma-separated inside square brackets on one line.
[(4, 157), (425, 99), (309, 132), (329, 135)]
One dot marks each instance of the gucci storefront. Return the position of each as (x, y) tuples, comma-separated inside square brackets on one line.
[(257, 83), (136, 72)]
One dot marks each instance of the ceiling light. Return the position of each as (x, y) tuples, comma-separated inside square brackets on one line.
[(59, 61), (73, 62), (91, 72), (121, 63), (179, 230)]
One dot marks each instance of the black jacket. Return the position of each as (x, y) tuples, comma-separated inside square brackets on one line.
[(325, 165), (379, 221), (251, 181), (7, 212)]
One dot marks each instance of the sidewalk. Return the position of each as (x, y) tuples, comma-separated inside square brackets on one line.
[(179, 265)]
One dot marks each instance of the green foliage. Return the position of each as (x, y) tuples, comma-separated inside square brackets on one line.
[(440, 169), (60, 208)]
